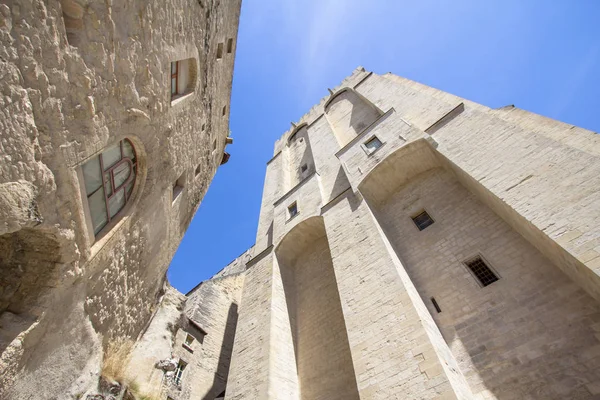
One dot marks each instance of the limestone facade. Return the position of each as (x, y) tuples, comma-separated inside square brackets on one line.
[(354, 293), (78, 78)]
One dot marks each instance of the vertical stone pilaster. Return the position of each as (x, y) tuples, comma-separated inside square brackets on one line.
[(396, 347)]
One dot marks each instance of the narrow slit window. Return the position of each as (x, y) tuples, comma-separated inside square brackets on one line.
[(179, 372), (224, 110), (482, 271), (203, 127), (436, 305), (373, 144), (422, 220), (178, 187), (304, 167), (174, 78), (214, 144), (197, 171), (229, 46), (219, 51), (292, 210)]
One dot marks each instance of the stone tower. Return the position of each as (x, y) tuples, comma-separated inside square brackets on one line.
[(114, 119), (416, 245)]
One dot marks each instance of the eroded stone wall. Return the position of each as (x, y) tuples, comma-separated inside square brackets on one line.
[(78, 76)]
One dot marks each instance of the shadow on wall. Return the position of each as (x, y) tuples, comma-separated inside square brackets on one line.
[(528, 335), (349, 114), (319, 333), (219, 384)]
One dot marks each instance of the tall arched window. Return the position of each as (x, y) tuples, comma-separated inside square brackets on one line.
[(109, 179)]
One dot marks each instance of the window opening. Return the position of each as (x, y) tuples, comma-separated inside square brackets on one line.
[(373, 144), (214, 144), (109, 180), (178, 187), (293, 210), (219, 51), (422, 220), (482, 271), (224, 110), (179, 371), (174, 78), (229, 46), (304, 167), (203, 127), (436, 305), (198, 169), (189, 339)]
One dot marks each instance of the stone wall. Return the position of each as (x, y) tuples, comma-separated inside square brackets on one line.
[(77, 77), (519, 189)]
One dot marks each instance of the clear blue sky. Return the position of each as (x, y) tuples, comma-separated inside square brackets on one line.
[(542, 56)]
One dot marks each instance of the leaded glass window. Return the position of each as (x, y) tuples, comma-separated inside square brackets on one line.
[(109, 179)]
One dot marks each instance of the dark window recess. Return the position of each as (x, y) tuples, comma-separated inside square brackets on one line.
[(229, 45), (436, 305), (214, 144), (178, 187), (304, 167), (219, 51), (293, 210), (422, 220), (481, 271), (198, 169), (373, 144), (224, 110)]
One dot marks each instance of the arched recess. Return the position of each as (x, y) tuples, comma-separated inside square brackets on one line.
[(298, 156), (323, 359), (349, 114)]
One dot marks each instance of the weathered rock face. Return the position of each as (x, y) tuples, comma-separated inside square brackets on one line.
[(76, 77)]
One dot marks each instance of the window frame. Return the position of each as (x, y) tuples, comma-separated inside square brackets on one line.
[(368, 150), (176, 76), (417, 214), (486, 263), (294, 206), (178, 375), (133, 174)]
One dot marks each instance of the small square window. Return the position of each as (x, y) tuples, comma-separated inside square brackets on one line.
[(292, 210), (422, 220), (304, 167), (373, 144), (219, 51), (482, 271)]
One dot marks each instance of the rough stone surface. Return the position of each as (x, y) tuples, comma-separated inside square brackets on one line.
[(77, 76)]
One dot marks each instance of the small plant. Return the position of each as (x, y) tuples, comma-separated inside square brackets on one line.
[(116, 358)]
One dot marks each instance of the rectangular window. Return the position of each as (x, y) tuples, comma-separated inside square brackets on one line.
[(373, 144), (178, 187), (174, 77), (219, 51), (189, 339), (422, 220), (482, 271), (224, 111), (229, 46), (292, 210), (179, 372)]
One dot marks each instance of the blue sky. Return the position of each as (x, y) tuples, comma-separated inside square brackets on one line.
[(542, 56)]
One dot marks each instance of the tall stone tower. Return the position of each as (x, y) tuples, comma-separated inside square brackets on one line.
[(114, 118), (416, 245)]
